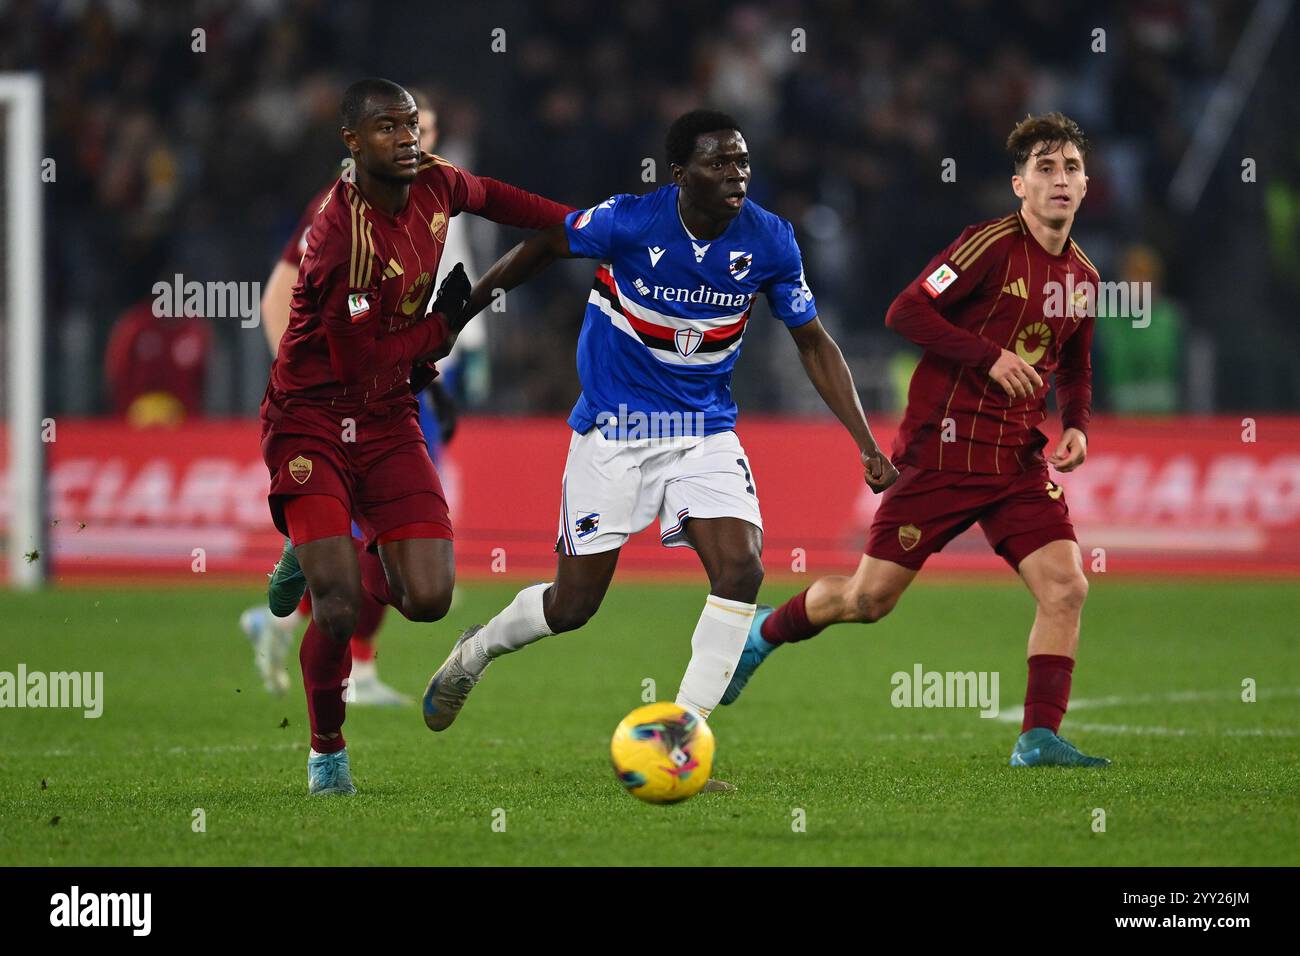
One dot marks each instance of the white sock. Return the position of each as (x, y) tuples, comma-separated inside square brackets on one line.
[(521, 623), (288, 624), (715, 650)]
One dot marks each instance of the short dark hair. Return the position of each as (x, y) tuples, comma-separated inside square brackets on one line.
[(1051, 130), (353, 108), (680, 142)]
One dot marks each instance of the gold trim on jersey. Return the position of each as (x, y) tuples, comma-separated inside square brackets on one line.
[(961, 369), (429, 160), (997, 444), (361, 264), (970, 250), (1084, 256)]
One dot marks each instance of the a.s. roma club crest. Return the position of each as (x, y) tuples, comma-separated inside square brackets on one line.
[(300, 469)]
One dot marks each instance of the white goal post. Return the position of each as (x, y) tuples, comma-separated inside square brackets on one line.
[(24, 326)]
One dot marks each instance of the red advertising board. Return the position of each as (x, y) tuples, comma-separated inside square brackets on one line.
[(1169, 495)]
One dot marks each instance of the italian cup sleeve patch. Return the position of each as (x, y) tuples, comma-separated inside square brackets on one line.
[(358, 306), (939, 279)]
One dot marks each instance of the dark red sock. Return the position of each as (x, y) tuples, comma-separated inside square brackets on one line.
[(373, 579), (789, 622), (369, 617), (326, 663), (304, 606), (1048, 692)]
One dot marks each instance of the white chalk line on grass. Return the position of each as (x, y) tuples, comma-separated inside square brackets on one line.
[(1010, 715), (180, 751), (1016, 714)]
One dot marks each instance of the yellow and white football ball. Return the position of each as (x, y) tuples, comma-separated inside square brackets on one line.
[(662, 753)]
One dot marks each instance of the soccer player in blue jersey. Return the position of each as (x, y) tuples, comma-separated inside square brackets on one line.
[(653, 431)]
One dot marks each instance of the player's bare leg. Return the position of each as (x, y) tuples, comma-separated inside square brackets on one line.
[(536, 612), (334, 577), (864, 598), (574, 597), (1054, 575), (421, 575)]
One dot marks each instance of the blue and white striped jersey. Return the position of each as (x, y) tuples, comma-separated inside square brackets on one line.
[(667, 312)]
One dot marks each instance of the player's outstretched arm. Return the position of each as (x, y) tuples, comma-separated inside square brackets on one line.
[(515, 268), (829, 373), (275, 302)]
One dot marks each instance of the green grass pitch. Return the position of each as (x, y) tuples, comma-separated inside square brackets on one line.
[(1199, 776)]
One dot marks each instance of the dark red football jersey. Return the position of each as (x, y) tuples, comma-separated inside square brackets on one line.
[(994, 288), (357, 319)]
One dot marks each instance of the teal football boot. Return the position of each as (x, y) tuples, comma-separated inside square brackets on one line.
[(755, 652), (1039, 747), (287, 583), (329, 774)]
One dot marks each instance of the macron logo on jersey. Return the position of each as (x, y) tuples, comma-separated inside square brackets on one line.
[(938, 280), (655, 255)]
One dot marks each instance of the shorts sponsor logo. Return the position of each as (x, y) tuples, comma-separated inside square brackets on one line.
[(1054, 490), (909, 536), (688, 340), (585, 525), (300, 469), (939, 279)]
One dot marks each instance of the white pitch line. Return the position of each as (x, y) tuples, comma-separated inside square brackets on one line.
[(1016, 714), (170, 751)]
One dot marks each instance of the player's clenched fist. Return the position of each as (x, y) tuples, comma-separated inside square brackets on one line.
[(878, 470), (1016, 376)]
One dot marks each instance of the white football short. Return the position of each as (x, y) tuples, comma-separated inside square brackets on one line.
[(613, 489)]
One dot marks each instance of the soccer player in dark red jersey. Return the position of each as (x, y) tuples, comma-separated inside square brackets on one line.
[(1004, 306), (340, 432), (272, 636)]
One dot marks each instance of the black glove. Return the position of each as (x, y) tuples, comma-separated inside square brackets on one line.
[(453, 296), (445, 407), (422, 376)]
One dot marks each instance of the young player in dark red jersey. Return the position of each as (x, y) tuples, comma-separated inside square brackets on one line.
[(1001, 308), (340, 431)]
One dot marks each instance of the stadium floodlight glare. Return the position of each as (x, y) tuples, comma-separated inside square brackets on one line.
[(22, 323)]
